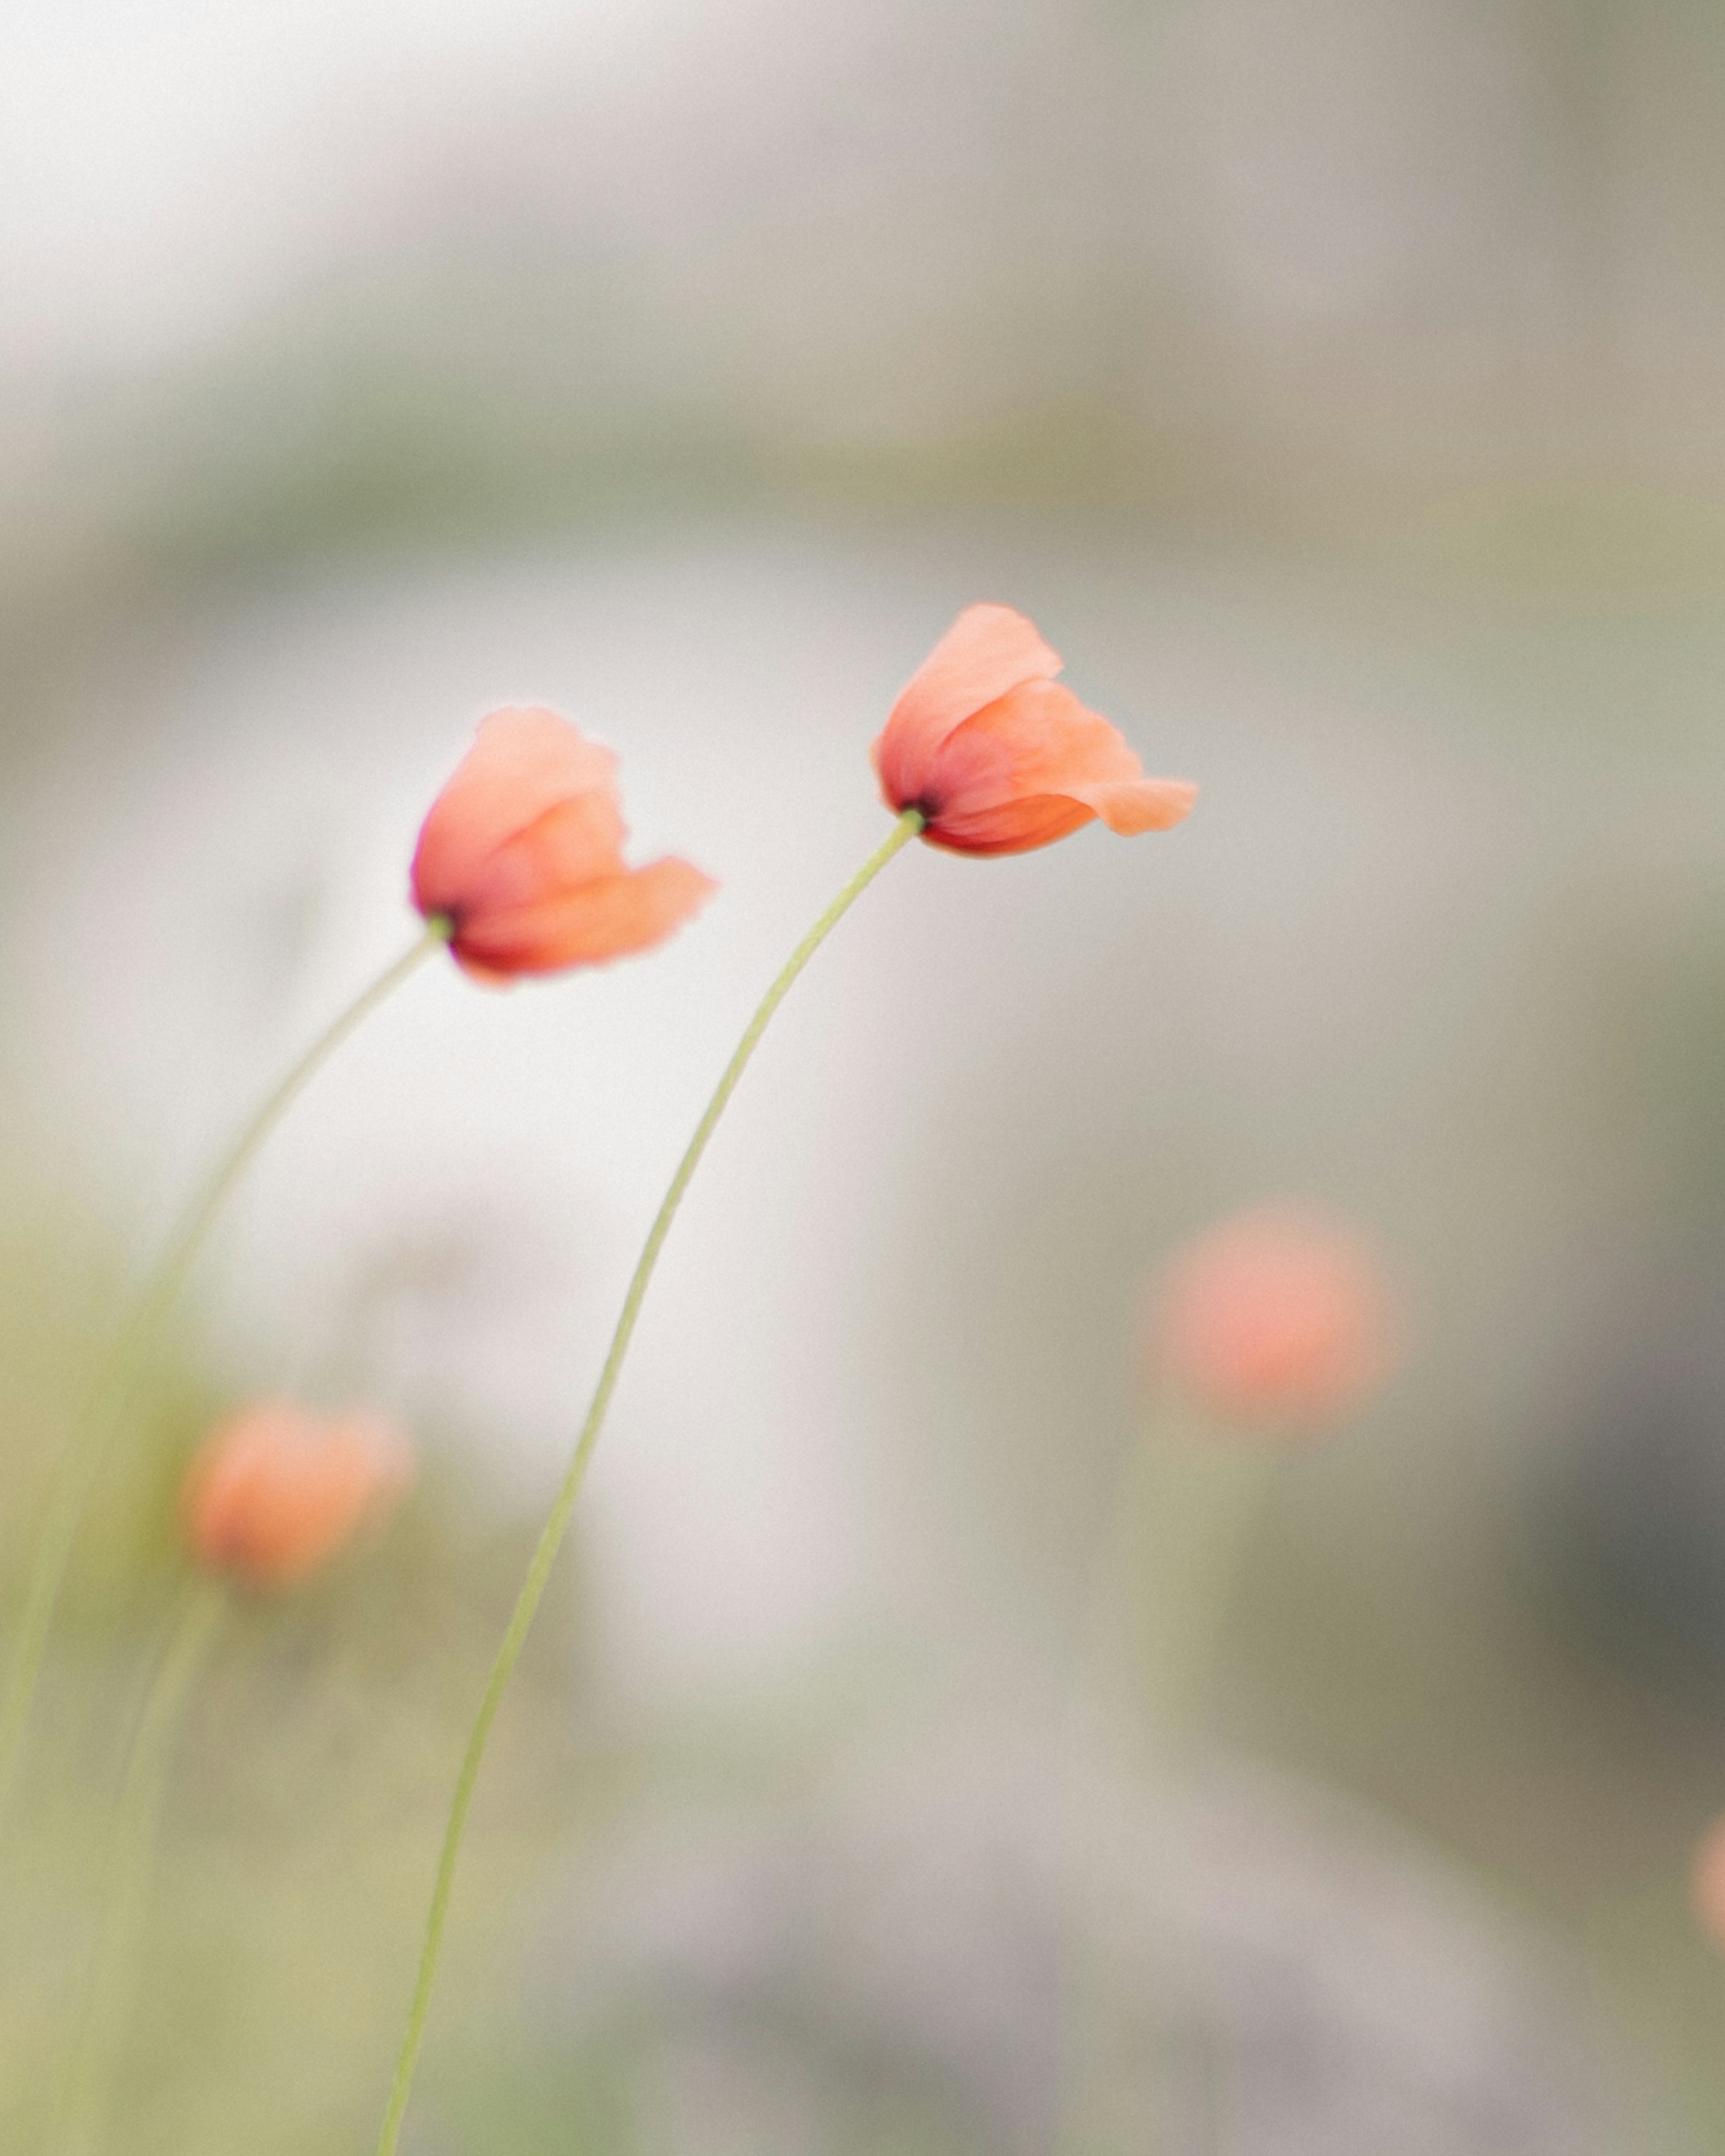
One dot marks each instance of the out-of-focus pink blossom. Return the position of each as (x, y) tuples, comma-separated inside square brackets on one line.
[(278, 1489), (1274, 1319), (1707, 1883)]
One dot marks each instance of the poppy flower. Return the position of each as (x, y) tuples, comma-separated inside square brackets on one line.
[(278, 1489), (997, 757), (1707, 1884), (1274, 1318), (523, 854)]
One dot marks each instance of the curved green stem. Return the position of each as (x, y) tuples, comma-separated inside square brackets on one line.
[(550, 1539), (114, 1986), (131, 1351), (183, 1245)]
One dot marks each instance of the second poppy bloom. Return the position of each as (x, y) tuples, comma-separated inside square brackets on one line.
[(999, 758), (522, 854)]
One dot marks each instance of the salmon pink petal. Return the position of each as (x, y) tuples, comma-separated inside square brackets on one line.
[(1131, 806), (993, 778), (1010, 827), (1038, 738), (988, 650), (522, 763), (608, 917), (574, 843)]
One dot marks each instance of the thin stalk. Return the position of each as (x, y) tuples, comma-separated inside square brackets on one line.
[(550, 1539), (132, 1351), (1190, 1503), (1178, 1532), (113, 1991)]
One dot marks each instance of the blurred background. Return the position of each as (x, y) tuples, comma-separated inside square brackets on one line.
[(1338, 383)]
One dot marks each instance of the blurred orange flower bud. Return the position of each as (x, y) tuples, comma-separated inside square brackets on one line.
[(278, 1489), (1707, 1883), (522, 852), (1274, 1317), (999, 758)]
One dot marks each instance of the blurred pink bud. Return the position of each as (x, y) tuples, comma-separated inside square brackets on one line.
[(1707, 1884), (1274, 1318), (523, 853), (278, 1489)]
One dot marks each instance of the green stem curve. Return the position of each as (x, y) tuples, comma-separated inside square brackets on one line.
[(130, 1353), (551, 1538), (113, 1984)]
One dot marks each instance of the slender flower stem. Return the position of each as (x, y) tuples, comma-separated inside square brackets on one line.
[(131, 1352), (1179, 1531), (550, 1539), (1199, 1503), (113, 1986)]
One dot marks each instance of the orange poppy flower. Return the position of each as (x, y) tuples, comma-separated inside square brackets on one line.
[(523, 853), (1274, 1318), (999, 758), (278, 1489), (1707, 1884)]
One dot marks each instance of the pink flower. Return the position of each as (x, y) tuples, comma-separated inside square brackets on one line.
[(523, 853), (1274, 1318), (278, 1489), (999, 758), (1707, 1884)]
